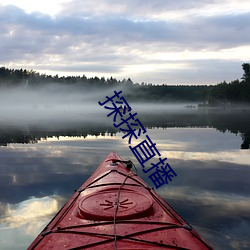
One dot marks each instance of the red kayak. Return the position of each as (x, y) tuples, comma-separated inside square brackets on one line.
[(115, 209)]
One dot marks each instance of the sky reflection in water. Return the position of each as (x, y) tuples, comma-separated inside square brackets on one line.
[(211, 190)]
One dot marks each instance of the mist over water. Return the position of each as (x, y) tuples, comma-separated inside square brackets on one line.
[(51, 104), (61, 103), (59, 107)]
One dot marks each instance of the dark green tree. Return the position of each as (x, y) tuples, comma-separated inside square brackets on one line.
[(246, 69)]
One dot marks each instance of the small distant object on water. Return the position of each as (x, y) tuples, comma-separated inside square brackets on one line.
[(191, 106)]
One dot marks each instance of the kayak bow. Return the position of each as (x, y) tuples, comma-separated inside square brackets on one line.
[(115, 209)]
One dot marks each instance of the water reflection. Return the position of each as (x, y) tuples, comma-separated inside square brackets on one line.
[(20, 222), (234, 121), (29, 210), (211, 190)]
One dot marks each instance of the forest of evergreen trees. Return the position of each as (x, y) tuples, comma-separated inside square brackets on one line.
[(236, 91)]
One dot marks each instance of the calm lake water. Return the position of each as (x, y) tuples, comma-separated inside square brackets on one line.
[(44, 158)]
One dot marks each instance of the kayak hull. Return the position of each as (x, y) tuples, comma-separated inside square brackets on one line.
[(116, 209)]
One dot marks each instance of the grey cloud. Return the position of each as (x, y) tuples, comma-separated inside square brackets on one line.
[(109, 41), (135, 8), (219, 31)]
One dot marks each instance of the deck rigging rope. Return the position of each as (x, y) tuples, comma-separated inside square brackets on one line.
[(129, 164)]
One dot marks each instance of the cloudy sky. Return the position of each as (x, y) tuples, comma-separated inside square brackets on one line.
[(157, 41)]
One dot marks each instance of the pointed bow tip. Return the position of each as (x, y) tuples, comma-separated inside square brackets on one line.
[(112, 155)]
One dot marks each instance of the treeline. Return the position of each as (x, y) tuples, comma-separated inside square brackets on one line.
[(237, 91)]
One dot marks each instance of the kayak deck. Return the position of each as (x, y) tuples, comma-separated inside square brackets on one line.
[(115, 209)]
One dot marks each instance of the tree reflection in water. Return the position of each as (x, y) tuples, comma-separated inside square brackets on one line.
[(233, 121)]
